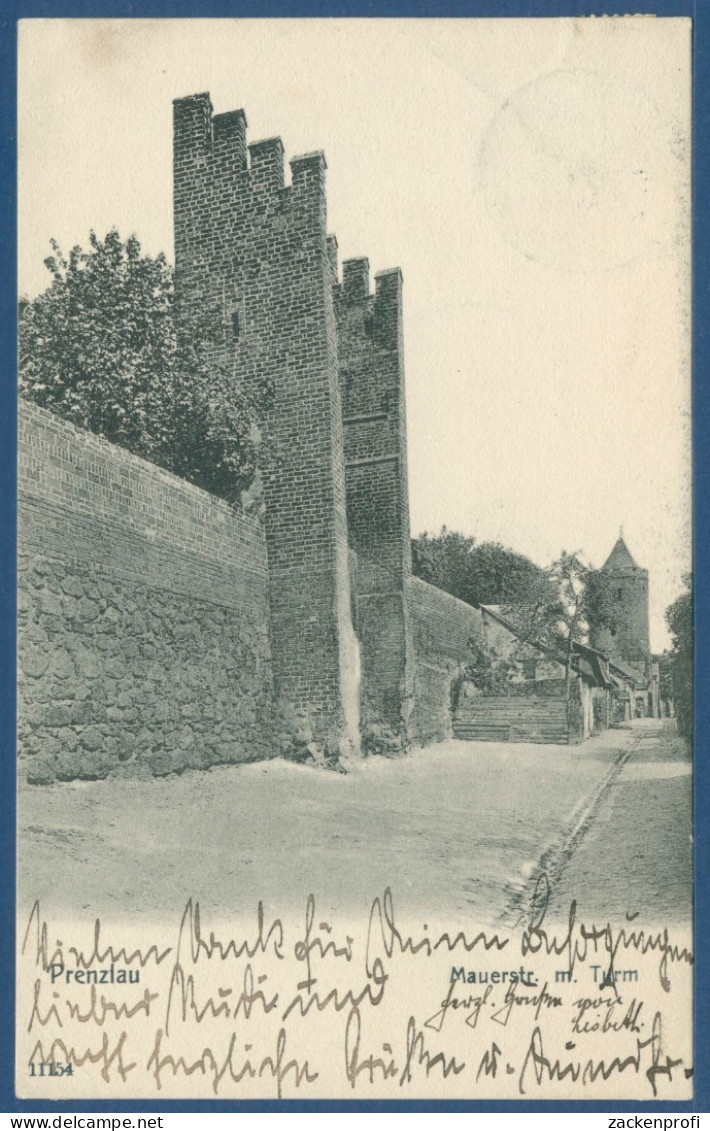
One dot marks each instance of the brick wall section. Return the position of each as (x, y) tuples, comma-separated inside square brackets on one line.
[(259, 251), (443, 629), (371, 362), (370, 355), (143, 614)]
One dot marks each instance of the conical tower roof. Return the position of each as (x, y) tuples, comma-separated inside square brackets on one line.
[(620, 557)]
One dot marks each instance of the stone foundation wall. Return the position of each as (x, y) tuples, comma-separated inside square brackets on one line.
[(143, 615)]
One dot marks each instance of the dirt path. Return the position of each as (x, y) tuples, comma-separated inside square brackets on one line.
[(457, 827)]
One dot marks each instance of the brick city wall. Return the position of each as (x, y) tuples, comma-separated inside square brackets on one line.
[(143, 615), (370, 355), (443, 630), (257, 252)]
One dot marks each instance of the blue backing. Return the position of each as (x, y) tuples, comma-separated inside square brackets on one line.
[(10, 12)]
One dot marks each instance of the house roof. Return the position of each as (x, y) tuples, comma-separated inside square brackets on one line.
[(592, 663), (630, 675), (587, 662)]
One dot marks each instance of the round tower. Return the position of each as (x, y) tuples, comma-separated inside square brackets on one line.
[(626, 638)]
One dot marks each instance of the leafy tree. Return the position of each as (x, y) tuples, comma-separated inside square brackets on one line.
[(679, 617), (101, 348), (502, 576), (549, 608), (600, 607), (570, 576), (571, 597), (444, 560), (483, 573), (488, 672)]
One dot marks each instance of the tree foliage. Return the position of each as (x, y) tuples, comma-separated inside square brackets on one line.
[(570, 576), (101, 348), (600, 607), (478, 573), (488, 672), (549, 608), (679, 617), (574, 598)]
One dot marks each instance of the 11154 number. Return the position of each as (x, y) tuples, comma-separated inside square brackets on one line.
[(51, 1068)]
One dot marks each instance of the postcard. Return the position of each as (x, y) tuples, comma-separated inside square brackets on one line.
[(354, 560)]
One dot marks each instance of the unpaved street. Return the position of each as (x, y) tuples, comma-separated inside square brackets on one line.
[(454, 828)]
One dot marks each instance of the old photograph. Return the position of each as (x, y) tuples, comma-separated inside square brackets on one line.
[(355, 699)]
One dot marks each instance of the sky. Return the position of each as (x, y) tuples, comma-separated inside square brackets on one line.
[(530, 177)]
